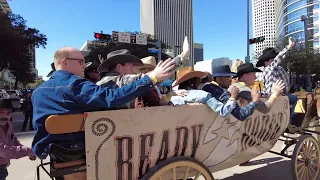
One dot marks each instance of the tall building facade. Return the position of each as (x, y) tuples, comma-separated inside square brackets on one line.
[(198, 52), (263, 23), (169, 21), (288, 19)]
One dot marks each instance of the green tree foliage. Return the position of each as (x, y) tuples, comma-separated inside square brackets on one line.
[(17, 46)]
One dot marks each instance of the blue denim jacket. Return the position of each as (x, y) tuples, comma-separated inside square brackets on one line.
[(65, 93), (223, 95), (199, 96)]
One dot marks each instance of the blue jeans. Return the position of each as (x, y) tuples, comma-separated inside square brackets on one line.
[(293, 102), (199, 96), (3, 174)]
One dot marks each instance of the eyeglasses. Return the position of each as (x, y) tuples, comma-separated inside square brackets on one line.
[(81, 61)]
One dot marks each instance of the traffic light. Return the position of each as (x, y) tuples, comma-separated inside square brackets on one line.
[(256, 40), (102, 36)]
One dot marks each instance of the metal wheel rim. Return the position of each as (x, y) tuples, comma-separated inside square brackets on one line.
[(307, 162), (188, 167)]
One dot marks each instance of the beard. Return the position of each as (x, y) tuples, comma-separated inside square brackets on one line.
[(3, 121)]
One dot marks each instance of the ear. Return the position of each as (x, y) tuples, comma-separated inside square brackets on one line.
[(64, 62), (118, 67)]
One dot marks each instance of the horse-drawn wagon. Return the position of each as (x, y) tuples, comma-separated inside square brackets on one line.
[(168, 142)]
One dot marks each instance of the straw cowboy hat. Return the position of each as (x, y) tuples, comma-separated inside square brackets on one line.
[(187, 73), (269, 53), (118, 57), (149, 62)]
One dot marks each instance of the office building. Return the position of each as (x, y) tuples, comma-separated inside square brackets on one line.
[(263, 17), (207, 65), (198, 52), (288, 20), (169, 21)]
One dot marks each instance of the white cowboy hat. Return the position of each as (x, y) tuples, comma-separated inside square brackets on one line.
[(149, 62)]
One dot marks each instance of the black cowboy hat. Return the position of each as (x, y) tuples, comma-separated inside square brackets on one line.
[(267, 54), (118, 57), (92, 68), (6, 103), (52, 71), (222, 71), (246, 68)]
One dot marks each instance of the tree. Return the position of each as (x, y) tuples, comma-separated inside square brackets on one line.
[(301, 60), (140, 51), (17, 45)]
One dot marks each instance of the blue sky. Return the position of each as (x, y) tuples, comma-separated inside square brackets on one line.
[(219, 25)]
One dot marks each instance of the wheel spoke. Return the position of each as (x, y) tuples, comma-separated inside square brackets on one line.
[(314, 159), (299, 164), (186, 173), (160, 178), (304, 150), (311, 168), (174, 173), (197, 176), (300, 172), (308, 144)]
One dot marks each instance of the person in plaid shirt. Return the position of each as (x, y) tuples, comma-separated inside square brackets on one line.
[(269, 62)]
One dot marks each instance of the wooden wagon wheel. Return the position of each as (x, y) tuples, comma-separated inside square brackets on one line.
[(171, 165), (305, 164)]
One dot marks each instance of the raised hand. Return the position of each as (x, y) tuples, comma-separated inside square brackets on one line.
[(277, 87), (234, 92), (291, 43), (255, 94), (163, 70)]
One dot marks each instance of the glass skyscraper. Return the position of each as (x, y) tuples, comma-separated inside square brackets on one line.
[(288, 19)]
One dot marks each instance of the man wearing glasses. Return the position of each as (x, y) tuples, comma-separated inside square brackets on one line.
[(68, 92)]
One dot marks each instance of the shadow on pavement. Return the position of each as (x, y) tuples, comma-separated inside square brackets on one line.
[(262, 161), (277, 171)]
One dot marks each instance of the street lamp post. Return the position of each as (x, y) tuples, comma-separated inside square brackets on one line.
[(305, 20), (247, 59)]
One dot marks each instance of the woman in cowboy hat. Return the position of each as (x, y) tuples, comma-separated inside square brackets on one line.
[(190, 80), (218, 89), (10, 147)]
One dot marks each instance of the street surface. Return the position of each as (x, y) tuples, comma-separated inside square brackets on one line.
[(265, 167)]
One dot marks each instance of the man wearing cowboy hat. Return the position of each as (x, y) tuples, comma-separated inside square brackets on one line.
[(247, 76), (218, 89), (270, 62), (10, 147), (189, 79), (68, 92), (122, 72)]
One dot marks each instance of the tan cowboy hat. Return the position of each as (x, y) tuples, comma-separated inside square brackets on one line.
[(118, 57), (185, 74), (149, 62)]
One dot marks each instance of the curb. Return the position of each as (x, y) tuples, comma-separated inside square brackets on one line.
[(24, 133)]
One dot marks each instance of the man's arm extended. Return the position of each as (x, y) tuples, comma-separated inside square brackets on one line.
[(92, 95)]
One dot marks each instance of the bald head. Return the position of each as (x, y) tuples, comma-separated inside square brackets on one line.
[(63, 53), (70, 59)]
